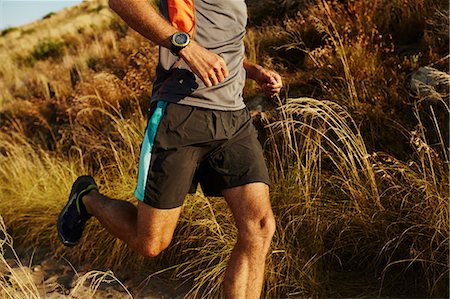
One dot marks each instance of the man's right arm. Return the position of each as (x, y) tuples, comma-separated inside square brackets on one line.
[(145, 19)]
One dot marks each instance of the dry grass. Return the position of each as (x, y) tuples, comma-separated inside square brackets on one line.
[(373, 208), (19, 283), (18, 280), (85, 36), (324, 153), (360, 180)]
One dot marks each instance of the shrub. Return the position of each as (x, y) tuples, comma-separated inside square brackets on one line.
[(96, 9), (7, 30), (278, 9), (28, 31), (92, 63), (119, 26), (48, 16), (48, 48)]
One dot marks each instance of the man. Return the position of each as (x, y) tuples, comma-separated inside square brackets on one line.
[(199, 131)]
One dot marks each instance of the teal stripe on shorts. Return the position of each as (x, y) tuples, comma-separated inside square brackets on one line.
[(146, 148)]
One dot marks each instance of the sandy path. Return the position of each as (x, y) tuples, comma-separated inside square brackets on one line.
[(58, 279)]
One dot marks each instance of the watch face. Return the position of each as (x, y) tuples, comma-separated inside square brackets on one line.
[(181, 39)]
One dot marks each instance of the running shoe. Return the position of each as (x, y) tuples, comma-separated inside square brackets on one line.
[(73, 216)]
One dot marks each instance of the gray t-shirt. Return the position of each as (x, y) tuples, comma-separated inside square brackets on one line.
[(219, 26)]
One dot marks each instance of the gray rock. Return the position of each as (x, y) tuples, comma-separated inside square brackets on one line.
[(430, 84)]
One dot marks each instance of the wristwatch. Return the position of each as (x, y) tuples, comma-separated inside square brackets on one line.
[(179, 41)]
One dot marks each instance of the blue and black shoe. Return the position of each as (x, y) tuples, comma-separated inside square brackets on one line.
[(73, 216)]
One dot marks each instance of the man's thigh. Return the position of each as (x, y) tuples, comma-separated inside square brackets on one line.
[(168, 161), (239, 161), (156, 224)]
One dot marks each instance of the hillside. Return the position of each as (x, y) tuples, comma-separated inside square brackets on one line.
[(357, 145)]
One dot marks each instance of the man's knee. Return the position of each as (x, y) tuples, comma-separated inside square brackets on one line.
[(259, 230), (151, 247), (268, 226), (252, 211), (155, 229)]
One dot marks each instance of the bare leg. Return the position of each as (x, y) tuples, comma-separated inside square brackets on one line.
[(252, 212), (145, 229)]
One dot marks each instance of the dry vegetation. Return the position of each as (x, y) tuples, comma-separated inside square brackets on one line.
[(360, 177)]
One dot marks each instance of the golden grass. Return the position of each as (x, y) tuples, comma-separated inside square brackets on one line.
[(19, 283), (19, 80), (368, 205), (334, 187)]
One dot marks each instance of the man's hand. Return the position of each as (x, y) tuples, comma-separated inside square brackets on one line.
[(143, 17), (268, 80), (208, 66)]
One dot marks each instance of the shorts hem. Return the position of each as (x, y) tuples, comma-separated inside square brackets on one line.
[(141, 198), (161, 207)]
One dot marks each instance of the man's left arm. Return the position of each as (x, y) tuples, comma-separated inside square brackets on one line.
[(268, 80)]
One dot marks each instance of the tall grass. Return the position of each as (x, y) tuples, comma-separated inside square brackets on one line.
[(49, 176), (52, 47), (329, 193), (19, 283), (372, 208)]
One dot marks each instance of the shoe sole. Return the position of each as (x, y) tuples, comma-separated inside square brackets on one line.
[(59, 225), (73, 196)]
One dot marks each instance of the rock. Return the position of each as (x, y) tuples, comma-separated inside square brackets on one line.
[(430, 84)]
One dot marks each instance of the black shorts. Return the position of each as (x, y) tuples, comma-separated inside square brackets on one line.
[(185, 145)]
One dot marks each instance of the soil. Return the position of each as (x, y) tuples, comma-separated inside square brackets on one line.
[(58, 279)]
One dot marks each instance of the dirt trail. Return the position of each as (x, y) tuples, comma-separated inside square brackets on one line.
[(51, 278)]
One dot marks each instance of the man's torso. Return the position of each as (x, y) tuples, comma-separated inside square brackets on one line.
[(219, 26)]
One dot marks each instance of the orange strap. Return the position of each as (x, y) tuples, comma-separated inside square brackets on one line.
[(182, 15)]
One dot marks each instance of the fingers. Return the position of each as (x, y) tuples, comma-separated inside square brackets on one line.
[(208, 66), (222, 71), (213, 80), (273, 85), (218, 73), (213, 73)]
